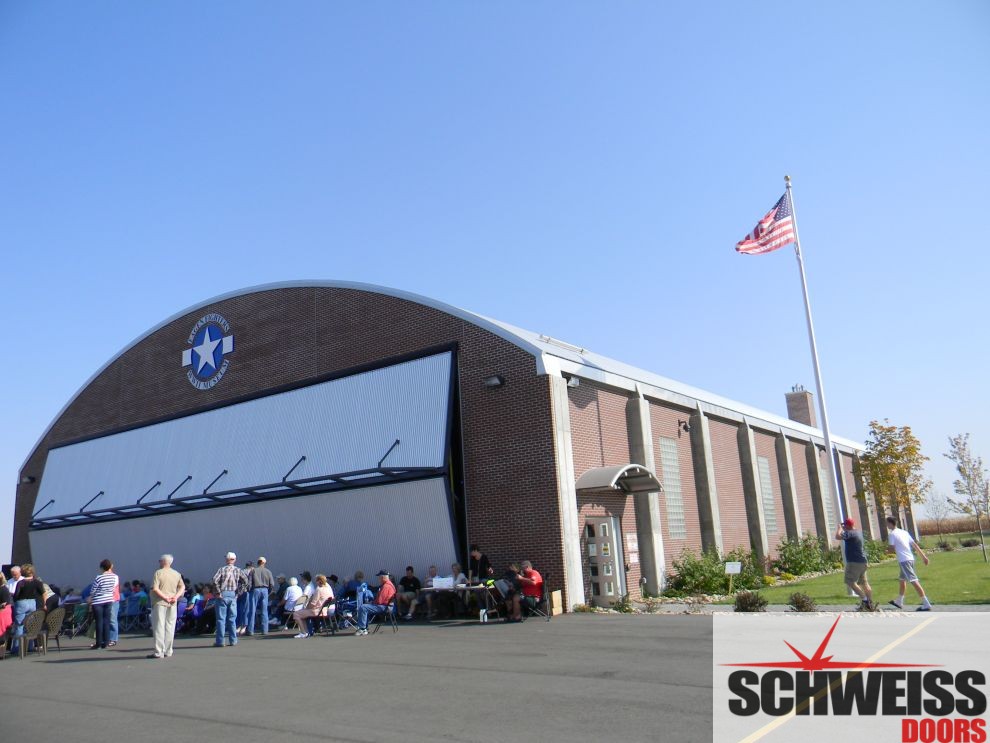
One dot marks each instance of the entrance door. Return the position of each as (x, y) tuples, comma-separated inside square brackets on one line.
[(604, 560)]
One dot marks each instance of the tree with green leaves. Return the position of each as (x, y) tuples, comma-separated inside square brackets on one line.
[(971, 486), (892, 468)]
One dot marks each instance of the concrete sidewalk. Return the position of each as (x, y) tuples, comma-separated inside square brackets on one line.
[(676, 608), (579, 677)]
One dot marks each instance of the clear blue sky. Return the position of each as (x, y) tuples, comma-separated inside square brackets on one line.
[(578, 169)]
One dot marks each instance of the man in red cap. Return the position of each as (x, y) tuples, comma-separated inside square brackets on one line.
[(856, 563)]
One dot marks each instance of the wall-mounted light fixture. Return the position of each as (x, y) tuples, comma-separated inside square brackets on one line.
[(496, 380), (573, 382), (28, 480), (683, 427)]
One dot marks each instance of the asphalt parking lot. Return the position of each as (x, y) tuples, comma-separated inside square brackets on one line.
[(579, 677)]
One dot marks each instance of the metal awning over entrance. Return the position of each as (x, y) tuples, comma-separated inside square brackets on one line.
[(630, 478)]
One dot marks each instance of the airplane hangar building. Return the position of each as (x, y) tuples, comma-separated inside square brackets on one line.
[(333, 426)]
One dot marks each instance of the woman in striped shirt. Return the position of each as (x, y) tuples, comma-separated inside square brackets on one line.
[(101, 599)]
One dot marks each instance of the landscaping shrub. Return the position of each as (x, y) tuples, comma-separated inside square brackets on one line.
[(583, 609), (802, 602), (945, 546), (969, 542), (876, 551), (786, 576), (801, 556), (750, 601), (769, 580), (623, 605), (705, 573)]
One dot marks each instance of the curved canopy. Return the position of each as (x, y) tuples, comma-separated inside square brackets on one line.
[(630, 478)]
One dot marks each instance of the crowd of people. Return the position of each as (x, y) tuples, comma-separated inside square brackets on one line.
[(250, 600)]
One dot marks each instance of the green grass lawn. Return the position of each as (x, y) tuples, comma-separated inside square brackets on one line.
[(959, 577)]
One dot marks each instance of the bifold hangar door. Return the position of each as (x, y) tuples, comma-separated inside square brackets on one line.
[(344, 475)]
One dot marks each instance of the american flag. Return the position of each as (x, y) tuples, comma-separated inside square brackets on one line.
[(774, 231)]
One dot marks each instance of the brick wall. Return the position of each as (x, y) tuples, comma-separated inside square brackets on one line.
[(664, 421), (728, 482), (802, 487)]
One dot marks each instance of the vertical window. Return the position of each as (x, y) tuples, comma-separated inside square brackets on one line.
[(596, 589), (589, 531), (608, 568), (594, 571), (604, 529), (766, 488), (606, 549), (828, 495), (608, 588), (672, 497), (592, 549)]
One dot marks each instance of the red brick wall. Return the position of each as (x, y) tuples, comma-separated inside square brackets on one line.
[(765, 448), (802, 487), (295, 335), (728, 482), (664, 421), (599, 434)]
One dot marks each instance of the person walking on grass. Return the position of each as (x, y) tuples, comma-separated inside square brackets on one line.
[(903, 545), (856, 563)]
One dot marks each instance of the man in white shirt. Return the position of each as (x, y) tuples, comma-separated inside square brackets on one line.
[(903, 545), (15, 578)]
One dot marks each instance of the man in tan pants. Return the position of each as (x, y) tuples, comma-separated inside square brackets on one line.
[(167, 588)]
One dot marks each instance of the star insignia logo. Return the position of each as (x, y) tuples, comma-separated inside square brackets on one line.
[(210, 342)]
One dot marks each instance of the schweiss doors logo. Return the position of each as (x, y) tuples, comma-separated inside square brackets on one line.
[(918, 680), (210, 341)]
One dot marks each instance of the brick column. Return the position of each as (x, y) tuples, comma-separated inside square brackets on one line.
[(815, 480), (570, 525), (647, 505), (704, 481), (752, 492), (785, 471)]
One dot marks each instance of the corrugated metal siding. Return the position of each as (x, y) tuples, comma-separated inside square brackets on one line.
[(765, 448), (802, 486), (664, 421), (728, 481), (342, 425), (385, 526)]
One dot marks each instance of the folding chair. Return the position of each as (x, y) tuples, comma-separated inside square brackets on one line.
[(387, 616), (326, 620), (77, 619), (539, 608), (137, 618), (346, 615), (291, 617)]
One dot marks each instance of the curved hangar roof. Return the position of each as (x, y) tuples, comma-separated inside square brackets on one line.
[(551, 356)]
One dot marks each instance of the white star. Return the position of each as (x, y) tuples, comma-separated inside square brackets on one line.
[(205, 350)]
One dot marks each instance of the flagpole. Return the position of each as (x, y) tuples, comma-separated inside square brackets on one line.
[(830, 459)]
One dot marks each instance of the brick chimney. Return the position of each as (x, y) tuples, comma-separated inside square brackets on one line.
[(801, 406)]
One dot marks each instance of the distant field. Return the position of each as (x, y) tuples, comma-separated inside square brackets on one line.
[(959, 577)]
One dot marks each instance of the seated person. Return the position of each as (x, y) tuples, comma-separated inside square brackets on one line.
[(409, 586), (531, 585), (425, 596), (351, 587), (137, 600), (479, 568), (460, 600), (287, 604), (385, 596), (508, 586), (71, 596), (313, 606), (306, 583)]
